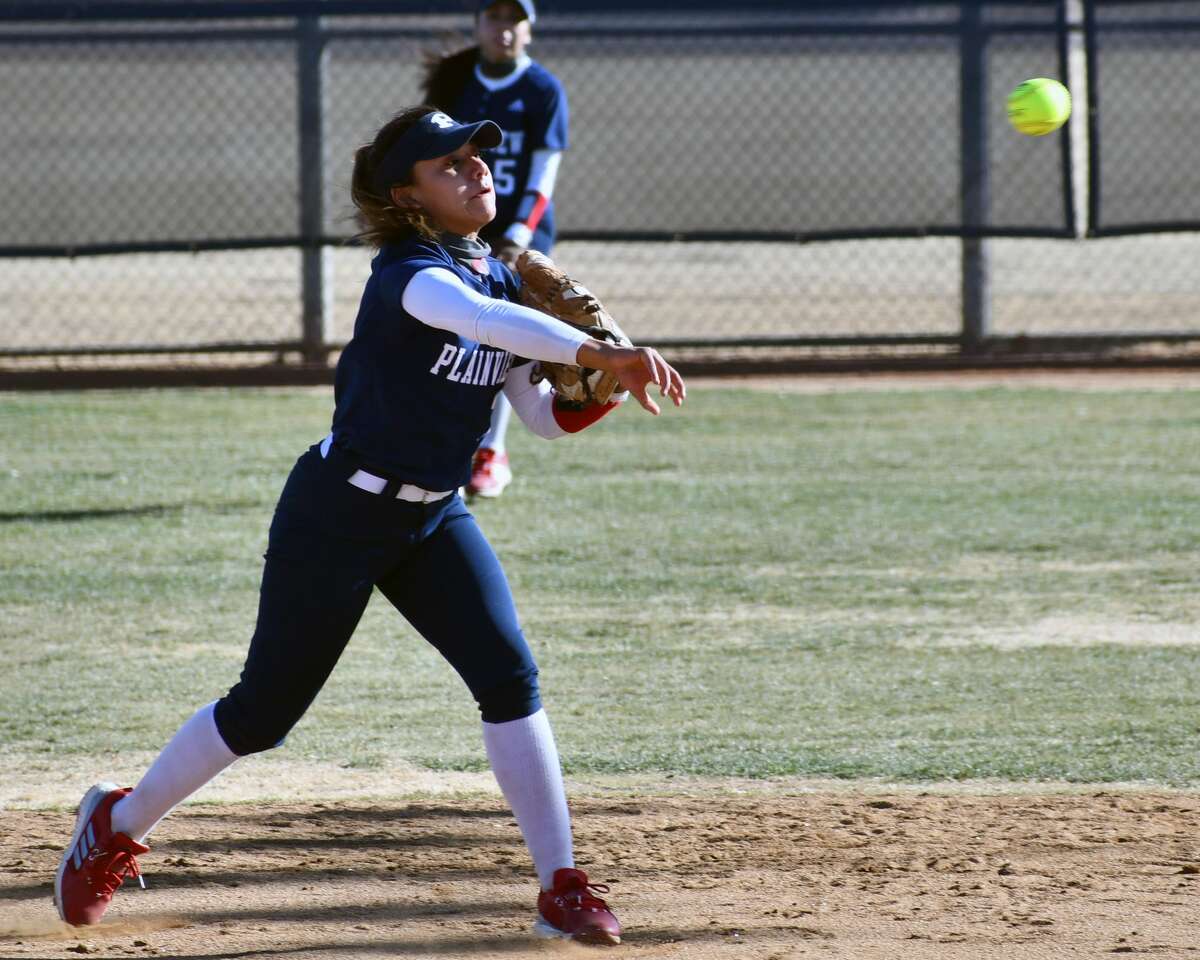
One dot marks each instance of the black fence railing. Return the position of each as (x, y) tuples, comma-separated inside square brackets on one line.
[(1145, 87), (751, 176)]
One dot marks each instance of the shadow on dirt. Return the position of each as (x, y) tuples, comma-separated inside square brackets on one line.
[(350, 815)]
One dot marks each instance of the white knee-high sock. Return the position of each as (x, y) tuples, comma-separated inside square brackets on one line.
[(195, 755), (498, 429), (525, 762)]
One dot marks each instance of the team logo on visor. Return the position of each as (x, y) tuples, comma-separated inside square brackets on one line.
[(440, 120)]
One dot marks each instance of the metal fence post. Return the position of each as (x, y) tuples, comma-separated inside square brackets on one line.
[(1076, 146), (316, 262), (973, 114)]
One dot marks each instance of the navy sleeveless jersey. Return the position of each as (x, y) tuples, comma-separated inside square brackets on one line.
[(532, 112), (412, 401)]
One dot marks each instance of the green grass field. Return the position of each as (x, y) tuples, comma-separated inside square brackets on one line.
[(924, 585)]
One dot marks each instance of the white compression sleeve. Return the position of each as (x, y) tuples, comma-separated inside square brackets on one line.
[(543, 172), (534, 402), (437, 297)]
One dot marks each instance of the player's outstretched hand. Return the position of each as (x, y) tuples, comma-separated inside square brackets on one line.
[(639, 367)]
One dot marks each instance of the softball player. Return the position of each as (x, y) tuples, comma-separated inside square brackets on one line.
[(495, 80), (374, 504)]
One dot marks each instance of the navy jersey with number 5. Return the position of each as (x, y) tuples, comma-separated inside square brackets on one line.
[(530, 106), (411, 400)]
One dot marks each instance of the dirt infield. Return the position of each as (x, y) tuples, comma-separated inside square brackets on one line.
[(861, 874)]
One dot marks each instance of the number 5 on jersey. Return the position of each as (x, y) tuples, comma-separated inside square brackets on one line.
[(504, 178), (504, 168)]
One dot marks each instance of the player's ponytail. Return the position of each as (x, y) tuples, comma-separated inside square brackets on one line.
[(446, 77), (380, 220)]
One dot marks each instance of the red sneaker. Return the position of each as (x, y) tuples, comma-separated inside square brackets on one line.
[(571, 911), (97, 860), (490, 473)]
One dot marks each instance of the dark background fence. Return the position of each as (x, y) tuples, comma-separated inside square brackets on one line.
[(1144, 60), (813, 178)]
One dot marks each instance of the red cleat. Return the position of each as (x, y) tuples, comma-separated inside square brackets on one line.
[(490, 473), (97, 860), (572, 912)]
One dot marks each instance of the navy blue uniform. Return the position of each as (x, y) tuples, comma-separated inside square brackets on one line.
[(411, 404), (412, 400), (532, 111)]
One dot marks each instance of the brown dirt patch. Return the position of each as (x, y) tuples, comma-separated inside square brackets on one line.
[(834, 874)]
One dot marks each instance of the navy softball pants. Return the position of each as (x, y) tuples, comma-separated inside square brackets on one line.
[(330, 544)]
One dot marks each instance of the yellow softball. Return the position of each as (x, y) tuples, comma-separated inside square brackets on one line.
[(1039, 106)]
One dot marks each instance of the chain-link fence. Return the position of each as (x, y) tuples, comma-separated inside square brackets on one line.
[(821, 177)]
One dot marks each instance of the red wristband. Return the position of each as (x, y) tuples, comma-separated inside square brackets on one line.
[(539, 207), (573, 420)]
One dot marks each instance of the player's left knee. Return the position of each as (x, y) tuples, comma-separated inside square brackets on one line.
[(512, 700)]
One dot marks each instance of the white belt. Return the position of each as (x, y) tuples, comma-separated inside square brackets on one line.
[(373, 484), (408, 491)]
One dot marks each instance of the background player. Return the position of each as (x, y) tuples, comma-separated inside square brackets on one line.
[(374, 505), (496, 80)]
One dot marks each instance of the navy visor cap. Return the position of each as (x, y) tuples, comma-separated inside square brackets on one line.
[(526, 5), (434, 135)]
